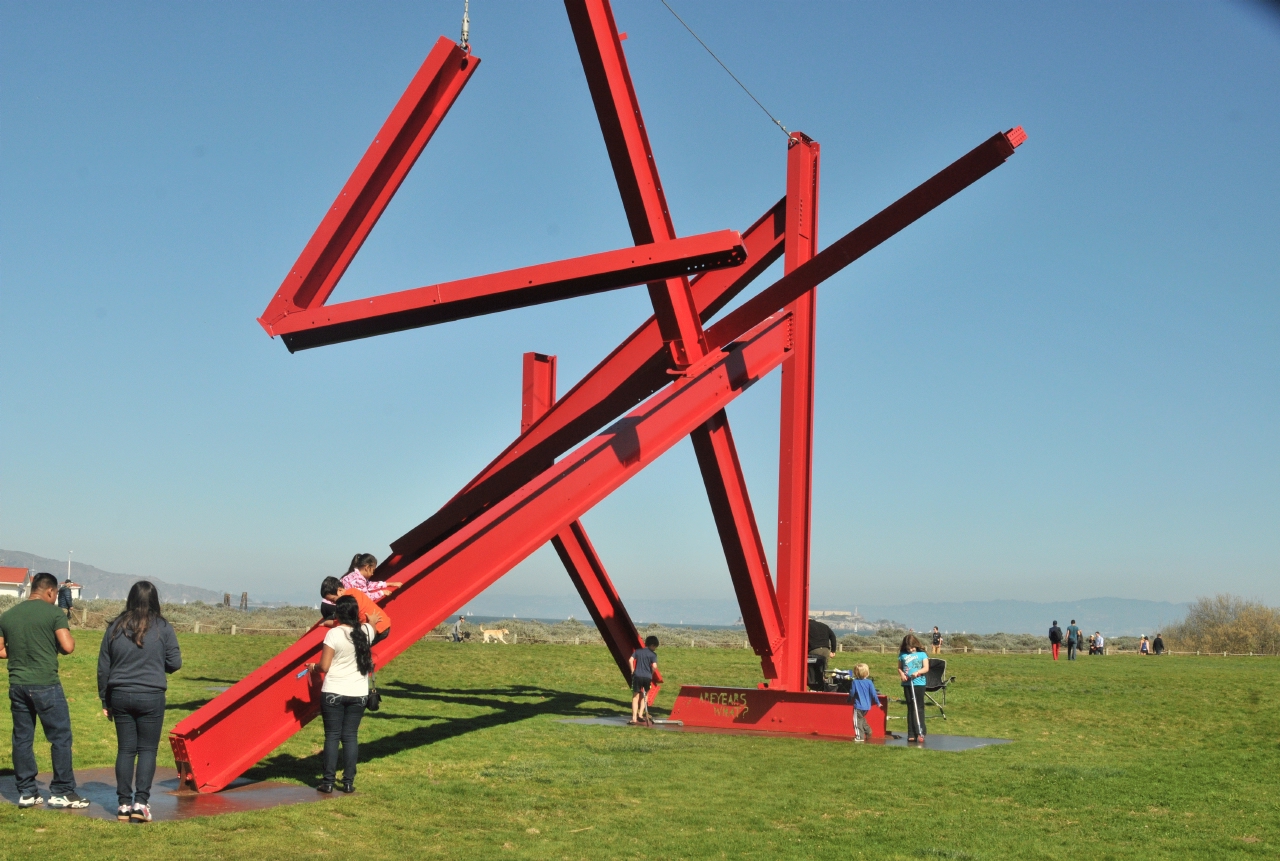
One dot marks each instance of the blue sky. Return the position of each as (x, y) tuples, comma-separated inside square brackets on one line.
[(1063, 384)]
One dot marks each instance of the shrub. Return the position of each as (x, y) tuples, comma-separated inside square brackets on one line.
[(1226, 623)]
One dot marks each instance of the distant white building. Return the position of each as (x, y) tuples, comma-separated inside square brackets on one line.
[(14, 582)]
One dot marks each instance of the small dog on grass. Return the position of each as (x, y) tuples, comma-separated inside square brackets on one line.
[(498, 634)]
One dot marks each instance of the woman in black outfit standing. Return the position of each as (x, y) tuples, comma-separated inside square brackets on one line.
[(138, 650)]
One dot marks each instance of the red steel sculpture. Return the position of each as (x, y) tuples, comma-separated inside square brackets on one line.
[(671, 379)]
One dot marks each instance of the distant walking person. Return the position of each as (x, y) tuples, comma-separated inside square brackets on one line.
[(937, 641), (32, 635), (346, 662), (1055, 638), (457, 630), (1074, 638), (64, 597), (138, 652), (1157, 645), (1144, 646), (913, 664), (357, 577)]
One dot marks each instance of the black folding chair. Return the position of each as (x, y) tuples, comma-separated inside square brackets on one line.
[(936, 681)]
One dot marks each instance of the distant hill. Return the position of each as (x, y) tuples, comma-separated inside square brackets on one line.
[(104, 584), (1125, 617)]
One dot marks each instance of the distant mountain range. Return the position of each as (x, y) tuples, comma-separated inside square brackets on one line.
[(104, 584), (1112, 616)]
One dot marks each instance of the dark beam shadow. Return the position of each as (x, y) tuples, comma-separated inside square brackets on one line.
[(441, 728)]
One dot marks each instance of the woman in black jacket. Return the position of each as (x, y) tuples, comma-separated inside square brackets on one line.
[(138, 650)]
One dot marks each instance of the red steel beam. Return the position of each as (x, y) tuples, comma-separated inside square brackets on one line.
[(636, 172), (227, 735), (599, 595), (374, 182), (572, 545), (537, 388), (795, 456), (740, 537), (930, 194), (503, 291), (631, 373)]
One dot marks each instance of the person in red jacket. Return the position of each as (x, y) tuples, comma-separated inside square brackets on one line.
[(1055, 638)]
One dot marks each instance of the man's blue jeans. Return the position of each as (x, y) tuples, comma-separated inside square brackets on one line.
[(49, 704)]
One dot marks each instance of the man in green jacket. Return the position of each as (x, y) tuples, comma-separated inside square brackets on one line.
[(32, 635)]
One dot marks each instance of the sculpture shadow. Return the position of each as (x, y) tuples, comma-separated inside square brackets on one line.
[(436, 728)]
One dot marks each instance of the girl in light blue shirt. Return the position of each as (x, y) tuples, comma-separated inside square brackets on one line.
[(913, 665)]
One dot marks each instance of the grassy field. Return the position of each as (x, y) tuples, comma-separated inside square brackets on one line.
[(1116, 757)]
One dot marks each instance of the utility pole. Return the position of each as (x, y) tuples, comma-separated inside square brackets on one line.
[(69, 552)]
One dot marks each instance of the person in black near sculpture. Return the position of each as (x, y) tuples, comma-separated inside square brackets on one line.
[(822, 643)]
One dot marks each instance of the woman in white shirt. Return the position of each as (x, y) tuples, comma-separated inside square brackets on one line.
[(346, 663)]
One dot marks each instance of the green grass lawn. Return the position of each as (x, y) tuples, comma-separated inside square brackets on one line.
[(1116, 757)]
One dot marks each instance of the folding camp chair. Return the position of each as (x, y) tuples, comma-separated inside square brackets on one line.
[(936, 681)]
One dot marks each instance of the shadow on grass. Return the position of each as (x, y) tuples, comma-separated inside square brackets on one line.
[(504, 710)]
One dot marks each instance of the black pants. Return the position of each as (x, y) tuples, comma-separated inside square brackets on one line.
[(914, 695), (139, 719), (342, 717), (49, 704)]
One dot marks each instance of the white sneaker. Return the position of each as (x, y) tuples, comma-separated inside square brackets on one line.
[(71, 800), (30, 800), (123, 811), (141, 813)]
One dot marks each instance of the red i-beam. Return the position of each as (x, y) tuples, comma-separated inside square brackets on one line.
[(671, 378)]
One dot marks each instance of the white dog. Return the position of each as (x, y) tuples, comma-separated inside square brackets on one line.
[(498, 634)]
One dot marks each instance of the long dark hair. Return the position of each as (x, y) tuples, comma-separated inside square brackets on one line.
[(910, 642), (360, 560), (347, 612), (141, 610)]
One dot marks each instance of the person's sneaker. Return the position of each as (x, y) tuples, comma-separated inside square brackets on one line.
[(30, 800), (325, 787), (348, 786), (70, 800), (123, 812), (141, 813)]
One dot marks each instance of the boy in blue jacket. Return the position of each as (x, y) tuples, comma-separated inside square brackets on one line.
[(863, 695)]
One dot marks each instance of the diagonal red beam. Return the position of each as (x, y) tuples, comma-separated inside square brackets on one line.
[(634, 168), (631, 373), (740, 537), (936, 190), (374, 182), (502, 291), (599, 595), (636, 172), (576, 552), (227, 735)]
